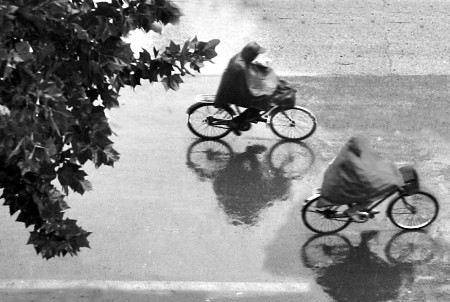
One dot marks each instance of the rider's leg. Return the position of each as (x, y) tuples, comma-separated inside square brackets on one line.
[(248, 115), (239, 122)]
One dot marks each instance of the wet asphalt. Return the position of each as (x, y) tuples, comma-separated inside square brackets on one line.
[(181, 209)]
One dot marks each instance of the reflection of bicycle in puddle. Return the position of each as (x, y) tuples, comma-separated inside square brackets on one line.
[(207, 157), (414, 247), (355, 272), (246, 183)]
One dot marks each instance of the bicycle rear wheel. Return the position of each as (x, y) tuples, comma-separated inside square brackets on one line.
[(321, 251), (293, 123), (324, 220), (208, 122), (208, 157), (413, 212)]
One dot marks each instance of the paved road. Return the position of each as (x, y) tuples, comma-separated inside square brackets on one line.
[(312, 37), (160, 214)]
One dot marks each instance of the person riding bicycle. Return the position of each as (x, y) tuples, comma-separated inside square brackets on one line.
[(250, 82), (358, 176)]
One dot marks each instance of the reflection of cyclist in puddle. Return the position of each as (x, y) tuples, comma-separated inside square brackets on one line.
[(363, 276), (247, 185)]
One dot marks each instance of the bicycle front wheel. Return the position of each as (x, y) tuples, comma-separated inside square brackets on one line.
[(208, 122), (414, 211), (293, 123), (413, 247), (324, 221), (292, 158)]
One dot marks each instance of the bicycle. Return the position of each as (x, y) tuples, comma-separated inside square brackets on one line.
[(287, 122), (208, 157), (409, 209), (352, 269), (405, 247), (247, 183)]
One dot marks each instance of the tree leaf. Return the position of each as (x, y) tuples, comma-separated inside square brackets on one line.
[(70, 175), (82, 34), (61, 64)]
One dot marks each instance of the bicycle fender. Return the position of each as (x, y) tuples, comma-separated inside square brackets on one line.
[(199, 103), (281, 108), (307, 110), (312, 197), (201, 99), (193, 107)]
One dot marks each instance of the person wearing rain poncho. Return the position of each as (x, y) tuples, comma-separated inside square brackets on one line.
[(250, 82), (358, 176)]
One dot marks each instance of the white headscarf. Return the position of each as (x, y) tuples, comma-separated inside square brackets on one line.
[(261, 78)]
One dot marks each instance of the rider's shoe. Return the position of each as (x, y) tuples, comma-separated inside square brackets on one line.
[(234, 126), (325, 210), (236, 132), (257, 119), (330, 213), (359, 216)]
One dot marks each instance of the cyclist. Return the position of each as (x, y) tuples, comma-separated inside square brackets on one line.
[(249, 82), (358, 176)]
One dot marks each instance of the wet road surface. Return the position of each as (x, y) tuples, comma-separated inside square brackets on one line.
[(175, 208)]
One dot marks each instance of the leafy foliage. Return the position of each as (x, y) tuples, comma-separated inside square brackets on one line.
[(62, 63)]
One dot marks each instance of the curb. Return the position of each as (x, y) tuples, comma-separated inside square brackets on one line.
[(260, 287)]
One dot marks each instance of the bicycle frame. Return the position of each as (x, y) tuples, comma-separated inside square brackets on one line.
[(236, 109), (407, 208), (388, 196), (286, 122)]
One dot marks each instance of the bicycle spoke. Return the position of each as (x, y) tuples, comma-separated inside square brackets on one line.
[(293, 123), (410, 247), (323, 250), (414, 211), (322, 222), (207, 121)]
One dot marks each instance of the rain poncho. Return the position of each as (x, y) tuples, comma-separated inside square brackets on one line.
[(246, 85), (359, 175)]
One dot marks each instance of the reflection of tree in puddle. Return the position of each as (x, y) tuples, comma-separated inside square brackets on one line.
[(349, 272), (246, 183)]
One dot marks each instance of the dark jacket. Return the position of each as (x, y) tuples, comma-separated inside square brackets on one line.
[(233, 88)]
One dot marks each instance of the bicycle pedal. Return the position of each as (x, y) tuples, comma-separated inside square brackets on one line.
[(373, 212), (360, 217)]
